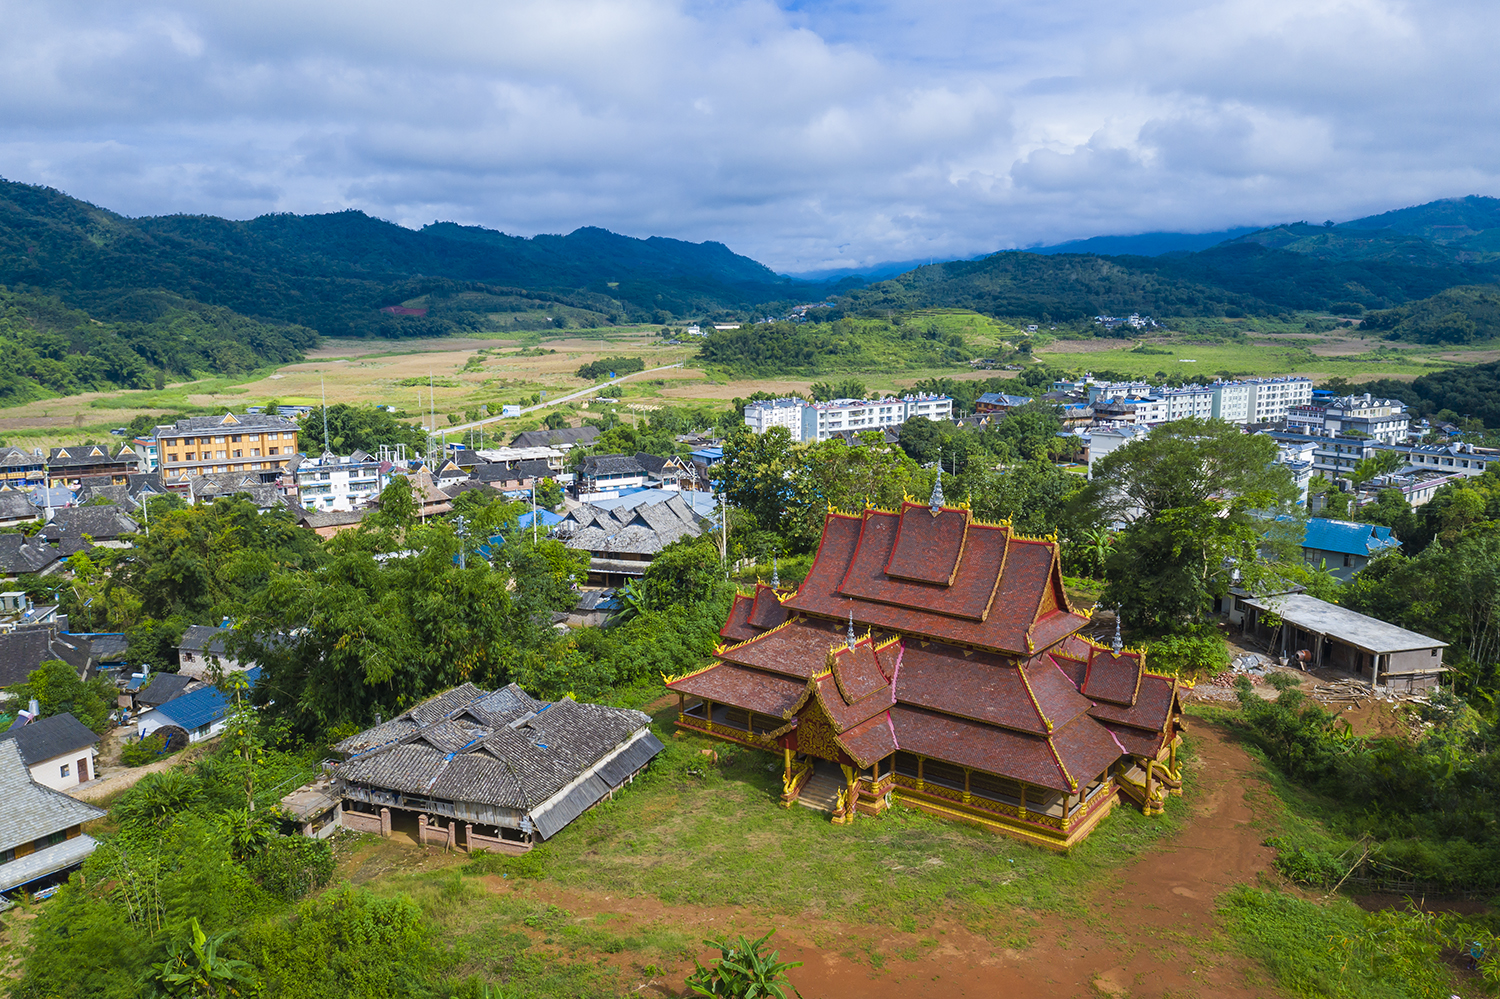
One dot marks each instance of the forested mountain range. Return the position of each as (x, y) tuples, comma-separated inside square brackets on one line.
[(335, 273), (94, 299)]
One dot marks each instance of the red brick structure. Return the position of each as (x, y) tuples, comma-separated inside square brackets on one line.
[(936, 660)]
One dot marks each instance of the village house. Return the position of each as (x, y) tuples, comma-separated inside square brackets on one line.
[(59, 750), (24, 648), (21, 469), (68, 466), (934, 659), (16, 508), (198, 714), (1345, 547), (564, 439), (205, 445), (200, 652), (622, 542), (1318, 633), (41, 830), (479, 770)]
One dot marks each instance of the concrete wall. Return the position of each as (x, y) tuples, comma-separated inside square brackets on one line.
[(48, 773)]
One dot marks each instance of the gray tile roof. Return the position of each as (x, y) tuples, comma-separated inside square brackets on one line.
[(32, 811), (639, 530), (612, 464), (16, 505), (90, 454), (102, 523), (552, 438), (203, 638), (500, 748), (23, 650), (227, 424), (46, 738), (162, 688), (20, 554)]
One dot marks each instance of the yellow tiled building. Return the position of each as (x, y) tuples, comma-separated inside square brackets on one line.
[(206, 445)]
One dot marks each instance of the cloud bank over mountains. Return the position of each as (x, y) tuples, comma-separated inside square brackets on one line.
[(807, 136)]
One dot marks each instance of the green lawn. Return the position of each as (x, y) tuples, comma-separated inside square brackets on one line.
[(697, 833)]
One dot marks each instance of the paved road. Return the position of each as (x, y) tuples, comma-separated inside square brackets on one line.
[(553, 402)]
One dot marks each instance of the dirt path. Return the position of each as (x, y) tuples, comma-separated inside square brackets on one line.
[(1151, 934), (121, 778)]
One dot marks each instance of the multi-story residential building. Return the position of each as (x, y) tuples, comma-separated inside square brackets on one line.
[(68, 466), (145, 449), (1297, 457), (1274, 397), (21, 469), (1188, 401), (336, 482), (1140, 410), (999, 402), (203, 445), (1250, 400), (821, 420), (762, 416), (1384, 420)]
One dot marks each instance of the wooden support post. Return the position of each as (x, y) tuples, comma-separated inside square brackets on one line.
[(422, 830), (708, 713), (1150, 781), (468, 837), (1023, 801), (681, 706), (385, 822), (921, 784), (966, 785)]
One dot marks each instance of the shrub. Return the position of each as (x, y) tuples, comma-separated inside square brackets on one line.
[(292, 866), (147, 750)]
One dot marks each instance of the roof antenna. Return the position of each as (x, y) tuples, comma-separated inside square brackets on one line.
[(1118, 645), (935, 504), (851, 628), (776, 576)]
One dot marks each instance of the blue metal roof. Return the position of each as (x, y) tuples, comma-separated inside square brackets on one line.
[(1347, 537), (203, 706)]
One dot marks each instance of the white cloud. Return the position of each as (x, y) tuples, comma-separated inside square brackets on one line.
[(804, 136)]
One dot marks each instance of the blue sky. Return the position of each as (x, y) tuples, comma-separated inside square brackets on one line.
[(807, 135)]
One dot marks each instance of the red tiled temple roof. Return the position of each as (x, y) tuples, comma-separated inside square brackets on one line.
[(737, 628), (983, 668), (798, 648), (1112, 678), (749, 689), (766, 612), (1006, 593), (1151, 710), (1027, 758)]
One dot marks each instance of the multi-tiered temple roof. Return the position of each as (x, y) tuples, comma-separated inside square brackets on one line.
[(967, 653)]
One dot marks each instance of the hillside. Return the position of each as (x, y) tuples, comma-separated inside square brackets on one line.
[(51, 349), (335, 273)]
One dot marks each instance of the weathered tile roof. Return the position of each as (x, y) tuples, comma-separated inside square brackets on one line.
[(203, 638), (20, 554), (32, 811), (228, 423), (102, 523), (163, 687), (501, 748), (48, 737), (26, 648), (16, 505), (550, 438)]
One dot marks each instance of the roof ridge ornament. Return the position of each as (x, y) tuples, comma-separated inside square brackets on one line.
[(1117, 646), (775, 573), (935, 504), (851, 628)]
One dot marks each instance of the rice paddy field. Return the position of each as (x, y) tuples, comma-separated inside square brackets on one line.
[(467, 373)]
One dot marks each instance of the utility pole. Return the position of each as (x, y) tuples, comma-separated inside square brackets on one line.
[(533, 511), (324, 386)]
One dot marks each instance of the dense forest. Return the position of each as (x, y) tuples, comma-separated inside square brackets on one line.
[(55, 350), (336, 273)]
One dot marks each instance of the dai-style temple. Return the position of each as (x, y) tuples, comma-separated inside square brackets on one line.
[(935, 659)]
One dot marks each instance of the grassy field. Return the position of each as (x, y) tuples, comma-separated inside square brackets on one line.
[(492, 371)]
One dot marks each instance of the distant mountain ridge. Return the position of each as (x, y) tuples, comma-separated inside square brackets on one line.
[(335, 272)]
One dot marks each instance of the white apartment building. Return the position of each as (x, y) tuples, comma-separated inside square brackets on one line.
[(340, 482), (1189, 400), (762, 416), (1384, 420), (1234, 401), (821, 420), (1274, 397)]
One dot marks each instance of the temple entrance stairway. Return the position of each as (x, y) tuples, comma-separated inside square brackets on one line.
[(821, 791)]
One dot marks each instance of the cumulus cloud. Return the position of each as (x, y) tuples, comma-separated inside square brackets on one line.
[(807, 135)]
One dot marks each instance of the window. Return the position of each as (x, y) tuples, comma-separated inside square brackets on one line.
[(218, 440), (66, 770), (271, 450), (171, 457), (218, 454), (188, 456), (1348, 560), (235, 439), (255, 452), (254, 438), (1433, 652), (239, 454)]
